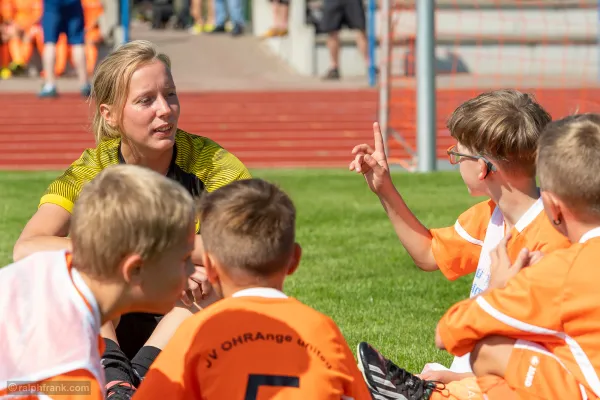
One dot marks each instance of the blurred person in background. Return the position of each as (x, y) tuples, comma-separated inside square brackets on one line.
[(182, 18), (203, 23), (280, 19), (20, 20), (63, 16), (4, 54), (339, 13), (92, 11), (235, 9)]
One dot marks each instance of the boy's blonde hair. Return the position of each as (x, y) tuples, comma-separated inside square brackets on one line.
[(110, 84), (569, 162), (125, 210), (503, 126), (249, 226)]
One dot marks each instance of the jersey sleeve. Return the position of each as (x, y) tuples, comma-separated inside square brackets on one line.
[(527, 308), (172, 375), (355, 387), (456, 248), (223, 167), (65, 190)]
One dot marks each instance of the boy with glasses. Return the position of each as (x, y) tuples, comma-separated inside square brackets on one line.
[(497, 136)]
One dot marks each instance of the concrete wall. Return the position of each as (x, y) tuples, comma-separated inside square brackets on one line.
[(486, 41)]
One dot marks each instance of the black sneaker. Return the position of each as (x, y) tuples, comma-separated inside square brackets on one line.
[(119, 390), (388, 381)]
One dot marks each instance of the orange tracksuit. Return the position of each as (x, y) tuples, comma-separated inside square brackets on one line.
[(551, 309), (464, 248), (25, 14)]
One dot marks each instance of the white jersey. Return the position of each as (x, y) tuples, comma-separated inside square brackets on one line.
[(50, 321)]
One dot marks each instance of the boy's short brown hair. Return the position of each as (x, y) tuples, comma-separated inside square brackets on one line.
[(124, 210), (249, 226), (569, 162), (503, 126)]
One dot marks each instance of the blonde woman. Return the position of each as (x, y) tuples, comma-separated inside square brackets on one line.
[(136, 113)]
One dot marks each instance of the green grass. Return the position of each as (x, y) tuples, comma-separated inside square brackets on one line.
[(353, 268)]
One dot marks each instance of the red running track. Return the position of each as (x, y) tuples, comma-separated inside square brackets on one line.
[(264, 129)]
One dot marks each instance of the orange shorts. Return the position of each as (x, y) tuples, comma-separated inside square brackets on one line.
[(534, 373)]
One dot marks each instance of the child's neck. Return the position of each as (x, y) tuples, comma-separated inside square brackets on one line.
[(576, 227), (107, 298), (514, 199), (230, 288)]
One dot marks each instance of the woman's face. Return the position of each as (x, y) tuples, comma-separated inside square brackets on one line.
[(151, 110)]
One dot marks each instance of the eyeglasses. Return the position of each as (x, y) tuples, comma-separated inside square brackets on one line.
[(456, 157)]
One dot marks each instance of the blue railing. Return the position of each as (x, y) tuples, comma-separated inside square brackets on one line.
[(372, 40), (125, 18)]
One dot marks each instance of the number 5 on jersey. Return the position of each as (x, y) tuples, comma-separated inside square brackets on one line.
[(256, 381)]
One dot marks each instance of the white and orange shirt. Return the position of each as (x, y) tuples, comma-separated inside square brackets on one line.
[(258, 344), (465, 247), (553, 303), (50, 345)]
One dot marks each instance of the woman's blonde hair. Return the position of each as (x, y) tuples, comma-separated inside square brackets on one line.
[(110, 84)]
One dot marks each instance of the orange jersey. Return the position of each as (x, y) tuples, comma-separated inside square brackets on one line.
[(24, 13), (257, 345), (464, 248), (50, 344), (553, 303), (6, 11)]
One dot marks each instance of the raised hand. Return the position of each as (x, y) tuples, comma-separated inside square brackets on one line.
[(372, 163)]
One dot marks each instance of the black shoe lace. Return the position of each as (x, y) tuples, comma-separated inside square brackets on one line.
[(410, 385)]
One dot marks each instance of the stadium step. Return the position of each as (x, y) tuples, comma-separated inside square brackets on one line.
[(286, 129), (278, 129)]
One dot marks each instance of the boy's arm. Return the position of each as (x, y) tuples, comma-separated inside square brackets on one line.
[(170, 376), (414, 236), (527, 308)]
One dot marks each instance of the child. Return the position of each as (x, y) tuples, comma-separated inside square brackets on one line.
[(547, 317), (127, 256), (22, 16), (257, 339), (497, 135)]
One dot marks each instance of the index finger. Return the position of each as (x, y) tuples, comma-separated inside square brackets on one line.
[(378, 137), (501, 248)]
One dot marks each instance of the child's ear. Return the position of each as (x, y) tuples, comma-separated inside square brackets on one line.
[(553, 207), (295, 261), (131, 268), (211, 270), (483, 170)]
